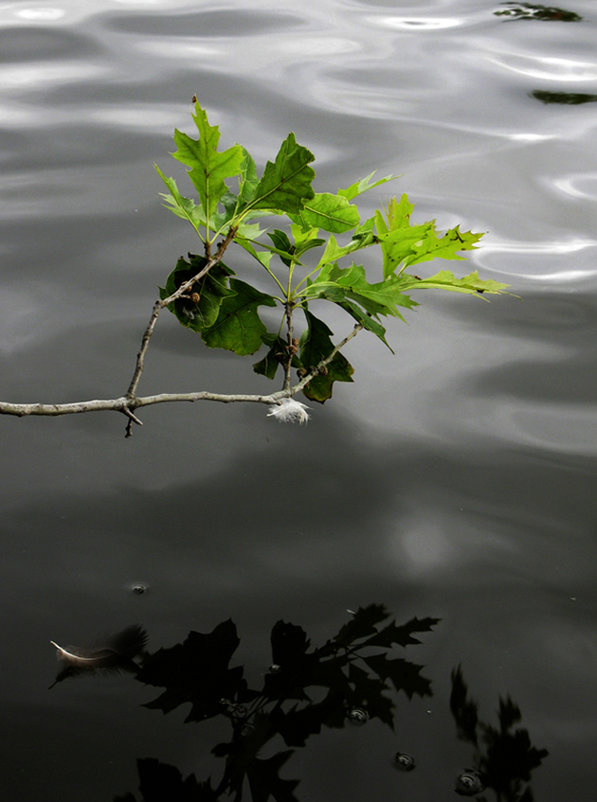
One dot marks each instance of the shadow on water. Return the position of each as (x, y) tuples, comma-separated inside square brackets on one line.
[(349, 680)]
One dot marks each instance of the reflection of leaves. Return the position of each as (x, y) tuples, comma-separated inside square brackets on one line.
[(463, 709), (196, 671), (566, 98), (351, 677), (505, 757), (404, 675), (361, 624), (527, 11), (159, 782), (401, 635), (265, 781)]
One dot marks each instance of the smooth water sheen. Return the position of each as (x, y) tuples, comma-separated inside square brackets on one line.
[(455, 480)]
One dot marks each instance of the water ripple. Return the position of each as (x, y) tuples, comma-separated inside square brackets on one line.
[(546, 67)]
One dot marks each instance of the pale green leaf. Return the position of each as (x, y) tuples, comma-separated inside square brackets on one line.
[(364, 185), (329, 212), (337, 284), (445, 280), (179, 205)]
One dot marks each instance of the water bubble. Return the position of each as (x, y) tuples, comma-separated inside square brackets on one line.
[(274, 668), (358, 716), (469, 783), (404, 762), (139, 589)]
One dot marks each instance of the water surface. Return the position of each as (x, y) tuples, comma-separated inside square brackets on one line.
[(455, 480)]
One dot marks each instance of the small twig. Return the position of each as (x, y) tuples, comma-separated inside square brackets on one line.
[(289, 347), (162, 302), (126, 404), (322, 364)]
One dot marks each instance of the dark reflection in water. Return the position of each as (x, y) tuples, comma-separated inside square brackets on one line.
[(534, 11), (504, 757), (348, 681), (567, 98)]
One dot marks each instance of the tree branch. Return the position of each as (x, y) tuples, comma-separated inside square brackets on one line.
[(322, 364), (162, 302), (127, 404)]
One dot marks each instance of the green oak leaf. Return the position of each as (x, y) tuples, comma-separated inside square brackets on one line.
[(286, 183), (333, 251), (364, 185), (329, 212), (268, 366), (341, 284), (179, 205), (238, 327), (209, 167), (305, 238), (444, 247), (247, 179), (366, 320), (445, 280), (404, 244), (211, 291), (314, 345)]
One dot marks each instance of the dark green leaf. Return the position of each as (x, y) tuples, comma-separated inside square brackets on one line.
[(366, 320), (315, 345), (364, 185), (238, 327), (202, 312), (284, 248), (268, 366)]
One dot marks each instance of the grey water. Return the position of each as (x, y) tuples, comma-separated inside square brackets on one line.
[(455, 480)]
